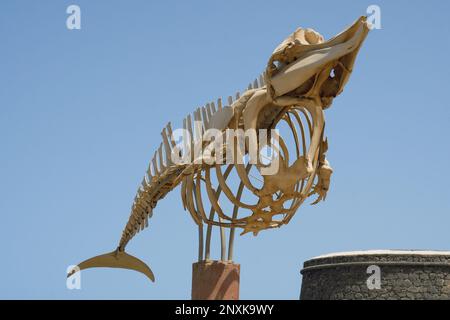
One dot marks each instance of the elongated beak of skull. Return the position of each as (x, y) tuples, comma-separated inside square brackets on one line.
[(304, 67)]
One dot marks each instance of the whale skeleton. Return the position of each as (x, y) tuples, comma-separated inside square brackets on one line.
[(303, 76)]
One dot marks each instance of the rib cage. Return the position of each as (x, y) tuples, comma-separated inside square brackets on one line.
[(162, 174)]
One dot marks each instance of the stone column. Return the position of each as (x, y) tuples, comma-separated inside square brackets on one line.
[(377, 274), (215, 280)]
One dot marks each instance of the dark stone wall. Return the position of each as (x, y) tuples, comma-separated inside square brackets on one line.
[(403, 275)]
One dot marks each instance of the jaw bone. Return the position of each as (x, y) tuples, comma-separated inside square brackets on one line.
[(303, 62), (306, 70)]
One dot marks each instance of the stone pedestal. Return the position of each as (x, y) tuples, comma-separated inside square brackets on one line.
[(215, 280), (377, 274)]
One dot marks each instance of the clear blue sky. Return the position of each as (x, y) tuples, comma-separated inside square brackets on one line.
[(81, 112)]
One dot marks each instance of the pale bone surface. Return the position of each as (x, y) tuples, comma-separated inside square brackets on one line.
[(303, 76)]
